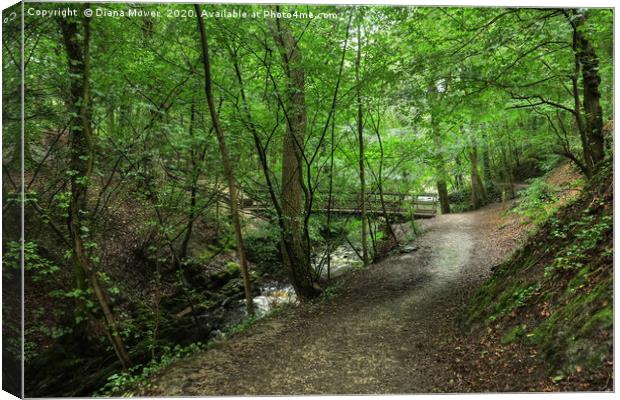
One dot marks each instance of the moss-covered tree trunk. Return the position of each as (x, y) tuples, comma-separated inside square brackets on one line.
[(591, 94)]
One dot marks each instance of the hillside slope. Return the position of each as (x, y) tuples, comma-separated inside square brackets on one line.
[(554, 297)]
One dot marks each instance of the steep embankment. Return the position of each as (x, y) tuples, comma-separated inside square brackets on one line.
[(553, 298)]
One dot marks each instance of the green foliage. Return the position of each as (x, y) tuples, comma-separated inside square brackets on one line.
[(460, 200), (587, 234), (232, 268), (38, 267), (262, 247), (536, 200), (241, 326), (121, 383), (562, 281), (513, 297), (550, 162), (514, 333), (333, 290), (574, 335)]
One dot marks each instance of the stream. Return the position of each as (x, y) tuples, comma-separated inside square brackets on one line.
[(273, 293)]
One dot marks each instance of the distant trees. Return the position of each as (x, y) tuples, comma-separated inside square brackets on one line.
[(566, 69)]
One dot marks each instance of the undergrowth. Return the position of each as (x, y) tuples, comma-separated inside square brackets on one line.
[(555, 293), (140, 376)]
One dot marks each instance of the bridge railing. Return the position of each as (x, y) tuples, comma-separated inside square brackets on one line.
[(424, 204)]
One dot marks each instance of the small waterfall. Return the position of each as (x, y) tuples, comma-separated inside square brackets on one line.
[(273, 295)]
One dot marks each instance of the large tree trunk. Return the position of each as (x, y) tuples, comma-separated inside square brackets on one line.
[(295, 252), (81, 164), (228, 171), (587, 159), (591, 95), (360, 138)]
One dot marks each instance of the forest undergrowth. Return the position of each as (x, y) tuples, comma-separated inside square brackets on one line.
[(553, 298)]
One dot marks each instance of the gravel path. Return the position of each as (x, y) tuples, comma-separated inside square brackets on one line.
[(390, 330)]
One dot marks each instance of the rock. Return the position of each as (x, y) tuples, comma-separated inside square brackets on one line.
[(408, 249)]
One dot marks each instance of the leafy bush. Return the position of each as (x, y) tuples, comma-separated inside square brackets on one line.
[(550, 162), (36, 265), (535, 201), (139, 375), (556, 293), (460, 200)]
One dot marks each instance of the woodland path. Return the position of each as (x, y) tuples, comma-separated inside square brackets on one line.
[(391, 329)]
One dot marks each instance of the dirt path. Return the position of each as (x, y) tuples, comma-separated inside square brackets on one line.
[(389, 331)]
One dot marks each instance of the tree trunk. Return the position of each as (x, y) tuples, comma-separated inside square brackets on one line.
[(192, 192), (591, 94), (478, 193), (388, 222), (330, 198), (458, 179), (486, 162), (578, 114), (228, 171), (294, 249), (508, 172), (440, 167), (81, 165), (360, 138)]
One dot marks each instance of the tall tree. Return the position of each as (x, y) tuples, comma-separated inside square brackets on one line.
[(586, 55), (76, 39), (228, 170), (360, 140), (294, 246), (440, 166), (478, 191)]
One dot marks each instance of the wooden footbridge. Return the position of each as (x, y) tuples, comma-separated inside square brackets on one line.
[(398, 204)]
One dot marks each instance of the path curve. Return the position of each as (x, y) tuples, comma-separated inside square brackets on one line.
[(387, 332)]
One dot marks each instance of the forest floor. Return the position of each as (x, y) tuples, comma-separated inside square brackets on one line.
[(392, 328)]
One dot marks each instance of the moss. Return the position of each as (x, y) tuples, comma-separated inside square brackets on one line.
[(513, 334), (579, 280), (232, 268), (602, 319), (568, 336), (513, 297), (559, 286)]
